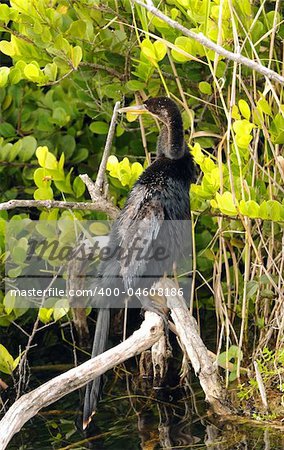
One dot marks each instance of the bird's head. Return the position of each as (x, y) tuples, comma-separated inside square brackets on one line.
[(163, 108), (171, 138)]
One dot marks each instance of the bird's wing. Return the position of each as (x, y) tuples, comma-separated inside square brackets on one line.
[(138, 239)]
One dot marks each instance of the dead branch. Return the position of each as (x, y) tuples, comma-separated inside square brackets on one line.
[(101, 205), (29, 404), (203, 40), (101, 172), (205, 369)]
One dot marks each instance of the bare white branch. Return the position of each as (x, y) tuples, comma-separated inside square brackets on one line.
[(260, 385), (205, 369), (101, 204), (101, 173)]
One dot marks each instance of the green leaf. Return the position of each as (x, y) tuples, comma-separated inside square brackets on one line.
[(243, 140), (61, 161), (197, 154), (243, 127), (99, 127), (274, 210), (264, 106), (148, 49), (7, 130), (76, 56), (249, 208), (112, 165), (119, 130), (9, 302), (77, 29), (264, 211), (184, 3), (18, 359), (205, 88), (80, 155), (185, 44), (99, 228), (245, 7), (65, 185), (270, 18), (4, 13), (136, 170), (4, 74), (225, 203), (43, 194), (61, 308), (252, 288), (45, 314), (233, 353), (277, 129), (50, 71), (32, 72), (13, 151), (60, 116), (62, 44), (46, 159), (67, 144), (235, 113), (40, 178), (14, 273), (41, 154), (244, 109), (135, 85), (19, 251), (6, 361), (160, 50), (78, 187), (28, 148), (15, 75), (7, 48)]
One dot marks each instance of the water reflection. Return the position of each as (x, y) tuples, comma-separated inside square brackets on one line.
[(134, 416)]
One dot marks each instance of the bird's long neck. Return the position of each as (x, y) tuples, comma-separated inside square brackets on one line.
[(171, 139)]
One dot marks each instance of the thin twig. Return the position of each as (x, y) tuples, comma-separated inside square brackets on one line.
[(203, 40), (17, 34), (101, 173), (53, 83), (101, 205), (107, 69)]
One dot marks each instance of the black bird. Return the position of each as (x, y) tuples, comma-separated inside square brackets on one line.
[(159, 197)]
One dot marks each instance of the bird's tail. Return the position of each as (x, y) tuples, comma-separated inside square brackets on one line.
[(99, 346)]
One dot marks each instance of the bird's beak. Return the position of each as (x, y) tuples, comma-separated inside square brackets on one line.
[(135, 109)]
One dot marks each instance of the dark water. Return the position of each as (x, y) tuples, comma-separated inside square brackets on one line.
[(138, 417), (132, 415)]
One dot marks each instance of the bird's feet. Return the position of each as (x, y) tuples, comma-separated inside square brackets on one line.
[(152, 306)]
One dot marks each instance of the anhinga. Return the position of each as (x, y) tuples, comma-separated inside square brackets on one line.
[(160, 196)]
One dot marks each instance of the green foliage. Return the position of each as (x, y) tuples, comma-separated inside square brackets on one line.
[(124, 171), (270, 365), (7, 363), (59, 310), (233, 356)]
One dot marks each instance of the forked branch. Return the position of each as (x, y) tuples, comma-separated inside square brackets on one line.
[(29, 404)]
